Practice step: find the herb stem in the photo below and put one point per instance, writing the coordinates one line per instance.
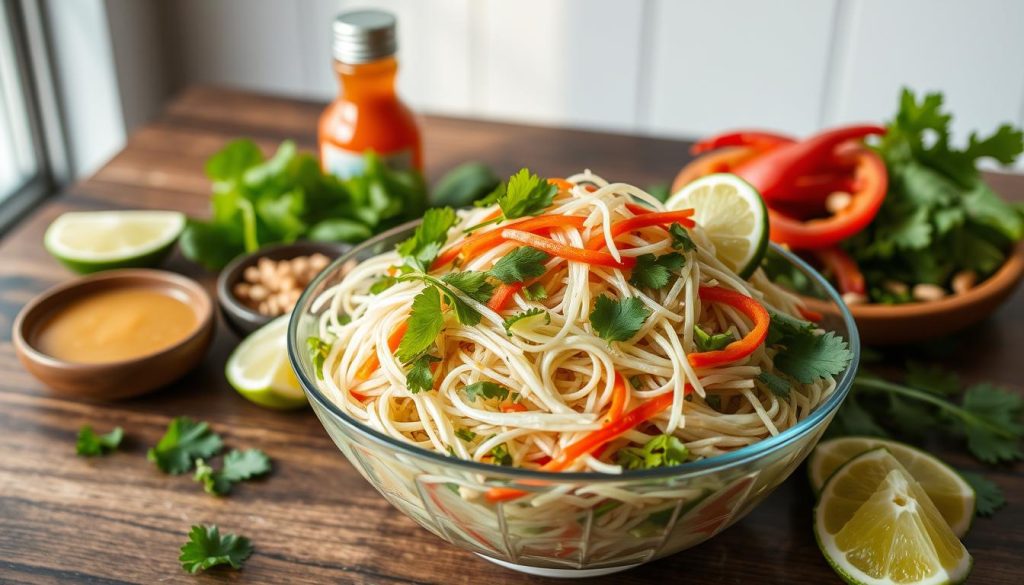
(877, 385)
(473, 228)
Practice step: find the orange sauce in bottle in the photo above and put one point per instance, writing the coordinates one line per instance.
(368, 114)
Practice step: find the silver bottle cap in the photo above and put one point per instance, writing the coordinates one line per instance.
(361, 36)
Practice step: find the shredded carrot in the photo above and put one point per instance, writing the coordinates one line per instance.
(740, 348)
(568, 252)
(503, 295)
(562, 184)
(446, 257)
(486, 240)
(373, 362)
(620, 396)
(638, 209)
(652, 218)
(513, 407)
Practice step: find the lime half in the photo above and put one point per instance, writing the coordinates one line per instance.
(260, 371)
(953, 496)
(90, 241)
(733, 216)
(875, 524)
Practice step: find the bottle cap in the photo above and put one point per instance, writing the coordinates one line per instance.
(361, 36)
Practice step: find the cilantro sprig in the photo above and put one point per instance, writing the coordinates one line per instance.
(655, 272)
(485, 389)
(661, 451)
(427, 317)
(420, 377)
(90, 444)
(519, 265)
(237, 466)
(523, 194)
(185, 441)
(618, 320)
(207, 548)
(422, 248)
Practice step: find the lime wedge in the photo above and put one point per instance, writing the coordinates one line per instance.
(875, 524)
(260, 371)
(953, 496)
(733, 216)
(90, 241)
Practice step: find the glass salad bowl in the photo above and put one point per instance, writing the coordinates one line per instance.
(569, 524)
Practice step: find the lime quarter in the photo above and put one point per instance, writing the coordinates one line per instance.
(259, 369)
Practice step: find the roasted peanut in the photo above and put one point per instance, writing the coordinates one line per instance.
(964, 281)
(927, 292)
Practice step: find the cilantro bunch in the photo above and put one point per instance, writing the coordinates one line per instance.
(286, 197)
(939, 217)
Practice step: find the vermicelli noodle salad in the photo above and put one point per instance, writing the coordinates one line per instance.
(569, 325)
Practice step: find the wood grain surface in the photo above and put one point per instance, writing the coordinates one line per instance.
(116, 519)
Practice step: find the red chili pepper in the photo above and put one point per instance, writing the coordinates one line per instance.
(843, 268)
(778, 168)
(871, 182)
(756, 139)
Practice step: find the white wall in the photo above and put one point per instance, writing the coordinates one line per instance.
(663, 67)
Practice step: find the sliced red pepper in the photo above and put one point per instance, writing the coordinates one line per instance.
(756, 139)
(777, 169)
(724, 160)
(843, 268)
(740, 348)
(871, 181)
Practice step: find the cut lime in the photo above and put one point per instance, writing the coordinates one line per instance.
(733, 216)
(875, 524)
(260, 371)
(953, 496)
(90, 241)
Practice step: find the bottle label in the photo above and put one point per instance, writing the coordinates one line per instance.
(345, 164)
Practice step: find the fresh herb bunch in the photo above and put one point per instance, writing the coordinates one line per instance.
(259, 201)
(939, 217)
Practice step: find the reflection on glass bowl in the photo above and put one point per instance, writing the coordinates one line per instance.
(569, 524)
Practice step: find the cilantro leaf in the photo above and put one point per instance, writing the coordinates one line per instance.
(420, 377)
(484, 390)
(207, 548)
(989, 498)
(524, 194)
(318, 351)
(535, 292)
(500, 455)
(992, 424)
(783, 327)
(655, 272)
(519, 264)
(422, 248)
(810, 357)
(681, 239)
(707, 342)
(238, 466)
(535, 312)
(933, 379)
(425, 323)
(382, 284)
(778, 385)
(89, 444)
(616, 320)
(661, 451)
(185, 441)
(473, 284)
(465, 434)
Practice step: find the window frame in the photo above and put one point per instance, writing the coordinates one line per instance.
(33, 66)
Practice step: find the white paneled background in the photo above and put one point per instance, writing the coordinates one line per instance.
(664, 67)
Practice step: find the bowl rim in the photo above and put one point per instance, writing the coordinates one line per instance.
(701, 466)
(20, 337)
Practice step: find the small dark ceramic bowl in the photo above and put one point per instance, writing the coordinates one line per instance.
(240, 318)
(124, 378)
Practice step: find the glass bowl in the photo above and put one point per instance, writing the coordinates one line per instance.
(569, 524)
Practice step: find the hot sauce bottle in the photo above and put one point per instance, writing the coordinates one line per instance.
(367, 115)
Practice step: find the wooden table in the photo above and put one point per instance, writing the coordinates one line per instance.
(117, 519)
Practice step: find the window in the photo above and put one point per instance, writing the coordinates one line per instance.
(26, 175)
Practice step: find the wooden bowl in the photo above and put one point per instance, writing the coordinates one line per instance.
(240, 318)
(120, 379)
(914, 322)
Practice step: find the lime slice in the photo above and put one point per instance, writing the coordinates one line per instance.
(90, 241)
(953, 496)
(260, 371)
(875, 524)
(732, 214)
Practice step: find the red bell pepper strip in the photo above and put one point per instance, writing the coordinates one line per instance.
(484, 240)
(740, 348)
(871, 181)
(724, 160)
(658, 218)
(843, 268)
(503, 295)
(756, 139)
(777, 169)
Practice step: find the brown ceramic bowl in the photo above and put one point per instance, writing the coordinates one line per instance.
(124, 378)
(240, 318)
(915, 322)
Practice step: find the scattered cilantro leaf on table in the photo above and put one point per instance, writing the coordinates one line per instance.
(90, 444)
(237, 466)
(618, 320)
(519, 265)
(207, 548)
(661, 451)
(934, 379)
(185, 441)
(988, 497)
